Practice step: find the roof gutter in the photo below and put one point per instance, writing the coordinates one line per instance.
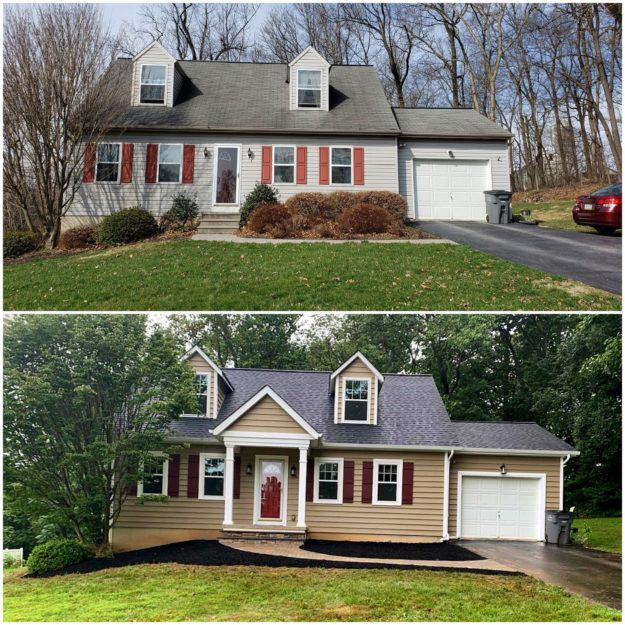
(253, 131)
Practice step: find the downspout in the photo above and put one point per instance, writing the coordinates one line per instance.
(448, 457)
(563, 462)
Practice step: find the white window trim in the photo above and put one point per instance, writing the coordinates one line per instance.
(208, 407)
(200, 492)
(400, 468)
(119, 163)
(165, 476)
(351, 166)
(158, 164)
(283, 497)
(273, 165)
(310, 108)
(339, 494)
(368, 400)
(216, 160)
(164, 102)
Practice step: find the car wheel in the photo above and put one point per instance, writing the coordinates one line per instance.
(604, 229)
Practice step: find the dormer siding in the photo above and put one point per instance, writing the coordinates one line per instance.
(156, 55)
(199, 365)
(310, 60)
(357, 370)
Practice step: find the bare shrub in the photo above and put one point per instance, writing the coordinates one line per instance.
(273, 219)
(316, 206)
(366, 219)
(78, 237)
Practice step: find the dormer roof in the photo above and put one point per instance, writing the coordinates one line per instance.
(151, 46)
(347, 363)
(310, 50)
(200, 352)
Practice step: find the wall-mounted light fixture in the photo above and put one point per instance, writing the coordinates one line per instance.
(248, 469)
(293, 471)
(451, 154)
(502, 469)
(207, 153)
(250, 154)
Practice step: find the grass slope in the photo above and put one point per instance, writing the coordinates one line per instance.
(602, 534)
(172, 592)
(552, 214)
(202, 275)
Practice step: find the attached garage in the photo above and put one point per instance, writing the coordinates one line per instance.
(492, 506)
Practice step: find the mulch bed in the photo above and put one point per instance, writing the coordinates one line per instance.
(213, 553)
(409, 232)
(392, 551)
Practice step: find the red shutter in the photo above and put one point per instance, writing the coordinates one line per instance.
(151, 160)
(406, 484)
(310, 480)
(192, 478)
(265, 170)
(348, 481)
(359, 166)
(188, 163)
(88, 174)
(367, 481)
(324, 165)
(236, 488)
(128, 150)
(302, 158)
(173, 476)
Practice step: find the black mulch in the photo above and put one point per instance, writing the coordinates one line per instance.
(213, 553)
(392, 551)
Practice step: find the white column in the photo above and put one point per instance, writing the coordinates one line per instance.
(301, 499)
(229, 484)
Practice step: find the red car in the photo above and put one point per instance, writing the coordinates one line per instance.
(601, 210)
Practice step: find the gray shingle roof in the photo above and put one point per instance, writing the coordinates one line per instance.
(410, 412)
(240, 97)
(442, 123)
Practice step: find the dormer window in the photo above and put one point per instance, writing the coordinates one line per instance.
(356, 400)
(153, 79)
(309, 88)
(201, 390)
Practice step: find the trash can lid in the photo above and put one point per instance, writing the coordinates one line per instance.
(498, 191)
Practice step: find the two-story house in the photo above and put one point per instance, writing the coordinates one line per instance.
(352, 454)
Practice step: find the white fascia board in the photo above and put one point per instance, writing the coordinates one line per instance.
(515, 452)
(306, 51)
(266, 391)
(153, 44)
(356, 356)
(200, 352)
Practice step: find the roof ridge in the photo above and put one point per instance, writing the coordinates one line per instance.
(487, 421)
(322, 371)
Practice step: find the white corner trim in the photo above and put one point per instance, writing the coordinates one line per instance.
(339, 493)
(400, 473)
(447, 460)
(348, 362)
(563, 462)
(266, 391)
(197, 350)
(215, 396)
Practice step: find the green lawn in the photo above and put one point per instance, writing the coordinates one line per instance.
(554, 214)
(602, 534)
(173, 592)
(203, 275)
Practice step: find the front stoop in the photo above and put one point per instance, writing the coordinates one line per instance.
(218, 223)
(262, 535)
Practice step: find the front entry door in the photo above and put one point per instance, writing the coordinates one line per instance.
(226, 177)
(271, 486)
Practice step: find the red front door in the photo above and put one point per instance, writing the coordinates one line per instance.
(271, 489)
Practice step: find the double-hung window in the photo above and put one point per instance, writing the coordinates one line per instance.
(169, 162)
(107, 165)
(341, 165)
(283, 165)
(154, 476)
(356, 400)
(309, 88)
(212, 476)
(387, 476)
(201, 389)
(328, 480)
(153, 84)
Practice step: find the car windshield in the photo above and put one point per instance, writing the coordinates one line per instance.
(613, 189)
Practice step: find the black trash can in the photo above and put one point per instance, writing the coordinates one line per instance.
(558, 527)
(498, 206)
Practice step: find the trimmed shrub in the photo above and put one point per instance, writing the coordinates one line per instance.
(340, 200)
(78, 237)
(315, 206)
(55, 554)
(260, 194)
(366, 219)
(393, 202)
(183, 213)
(274, 219)
(19, 242)
(127, 225)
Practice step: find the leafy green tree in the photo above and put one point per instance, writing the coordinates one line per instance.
(87, 397)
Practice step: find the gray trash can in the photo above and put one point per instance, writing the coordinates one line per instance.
(498, 206)
(558, 526)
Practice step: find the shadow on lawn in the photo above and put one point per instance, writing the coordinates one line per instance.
(213, 553)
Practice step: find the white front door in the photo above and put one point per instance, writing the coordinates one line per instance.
(451, 189)
(226, 178)
(501, 507)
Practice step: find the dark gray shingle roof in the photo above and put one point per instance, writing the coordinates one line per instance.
(410, 412)
(441, 123)
(255, 97)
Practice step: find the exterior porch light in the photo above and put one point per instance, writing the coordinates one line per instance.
(503, 469)
(293, 471)
(250, 154)
(207, 153)
(451, 154)
(248, 469)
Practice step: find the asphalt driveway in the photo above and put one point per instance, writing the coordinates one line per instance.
(593, 574)
(585, 256)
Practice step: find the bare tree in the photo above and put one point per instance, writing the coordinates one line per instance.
(57, 95)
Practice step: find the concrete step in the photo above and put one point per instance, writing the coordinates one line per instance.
(220, 216)
(213, 229)
(262, 536)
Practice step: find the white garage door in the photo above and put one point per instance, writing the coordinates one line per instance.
(501, 507)
(451, 189)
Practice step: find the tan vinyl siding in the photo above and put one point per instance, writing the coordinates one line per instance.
(153, 56)
(495, 152)
(266, 416)
(356, 370)
(95, 200)
(221, 394)
(514, 464)
(199, 365)
(422, 519)
(310, 61)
